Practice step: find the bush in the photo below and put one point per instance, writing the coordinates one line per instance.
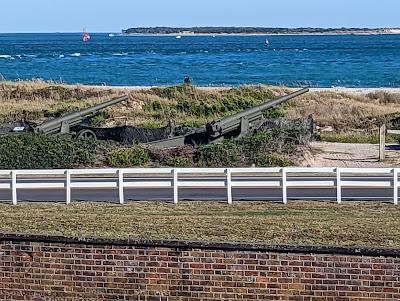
(266, 148)
(176, 157)
(268, 160)
(99, 118)
(178, 162)
(274, 112)
(40, 151)
(219, 154)
(128, 157)
(202, 104)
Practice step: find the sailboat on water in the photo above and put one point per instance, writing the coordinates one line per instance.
(85, 36)
(266, 41)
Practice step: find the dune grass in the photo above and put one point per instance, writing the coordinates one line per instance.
(347, 113)
(298, 223)
(189, 105)
(360, 137)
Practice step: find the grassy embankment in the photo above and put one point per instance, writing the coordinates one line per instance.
(305, 223)
(352, 118)
(146, 108)
(349, 115)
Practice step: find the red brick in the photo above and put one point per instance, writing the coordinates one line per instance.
(105, 272)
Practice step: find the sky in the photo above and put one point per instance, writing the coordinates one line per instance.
(115, 15)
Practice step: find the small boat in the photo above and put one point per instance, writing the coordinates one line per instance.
(85, 36)
(178, 37)
(110, 35)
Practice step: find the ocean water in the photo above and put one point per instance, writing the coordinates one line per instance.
(318, 61)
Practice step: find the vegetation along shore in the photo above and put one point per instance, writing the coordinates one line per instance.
(339, 116)
(254, 30)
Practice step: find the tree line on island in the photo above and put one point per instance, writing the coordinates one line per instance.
(249, 30)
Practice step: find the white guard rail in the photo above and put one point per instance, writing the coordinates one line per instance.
(207, 178)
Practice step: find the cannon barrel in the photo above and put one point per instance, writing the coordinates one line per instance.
(233, 122)
(54, 126)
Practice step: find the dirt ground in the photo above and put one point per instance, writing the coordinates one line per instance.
(327, 154)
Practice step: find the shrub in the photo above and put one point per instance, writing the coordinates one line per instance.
(204, 104)
(266, 148)
(274, 112)
(176, 157)
(99, 118)
(219, 154)
(270, 160)
(40, 151)
(238, 152)
(128, 157)
(178, 162)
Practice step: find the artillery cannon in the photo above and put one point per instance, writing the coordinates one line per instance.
(237, 125)
(66, 124)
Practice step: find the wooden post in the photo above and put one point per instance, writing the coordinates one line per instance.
(382, 142)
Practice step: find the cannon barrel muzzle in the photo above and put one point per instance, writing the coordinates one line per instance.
(232, 122)
(72, 119)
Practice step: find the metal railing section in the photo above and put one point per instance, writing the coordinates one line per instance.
(189, 178)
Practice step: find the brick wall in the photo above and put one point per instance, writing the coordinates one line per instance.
(56, 268)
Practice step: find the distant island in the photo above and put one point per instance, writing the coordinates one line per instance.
(253, 30)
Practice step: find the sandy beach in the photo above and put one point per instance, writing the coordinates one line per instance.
(353, 91)
(356, 91)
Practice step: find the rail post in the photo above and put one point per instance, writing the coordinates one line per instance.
(14, 187)
(284, 186)
(228, 174)
(382, 142)
(121, 186)
(176, 196)
(395, 186)
(68, 186)
(338, 186)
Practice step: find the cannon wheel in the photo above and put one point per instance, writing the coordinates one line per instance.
(86, 134)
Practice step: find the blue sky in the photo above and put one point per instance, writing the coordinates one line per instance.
(112, 16)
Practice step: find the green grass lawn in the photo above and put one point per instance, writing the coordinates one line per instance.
(305, 223)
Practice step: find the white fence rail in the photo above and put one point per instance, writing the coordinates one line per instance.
(200, 178)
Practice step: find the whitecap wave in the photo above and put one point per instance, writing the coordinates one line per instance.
(120, 54)
(5, 56)
(76, 54)
(61, 56)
